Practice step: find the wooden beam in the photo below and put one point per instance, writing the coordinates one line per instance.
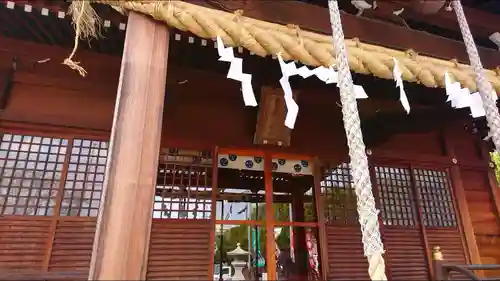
(124, 224)
(481, 23)
(367, 30)
(320, 212)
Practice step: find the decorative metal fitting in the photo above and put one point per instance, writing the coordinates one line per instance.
(437, 255)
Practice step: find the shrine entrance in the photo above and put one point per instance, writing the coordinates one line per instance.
(266, 217)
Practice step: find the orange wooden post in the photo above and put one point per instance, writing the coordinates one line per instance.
(124, 224)
(270, 242)
(320, 211)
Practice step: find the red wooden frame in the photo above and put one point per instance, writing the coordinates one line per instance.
(269, 222)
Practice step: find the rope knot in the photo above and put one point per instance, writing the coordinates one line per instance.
(297, 33)
(237, 15)
(357, 42)
(411, 54)
(455, 62)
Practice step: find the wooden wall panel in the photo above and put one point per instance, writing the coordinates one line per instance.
(478, 196)
(489, 249)
(72, 246)
(424, 143)
(179, 250)
(23, 241)
(345, 253)
(406, 253)
(59, 106)
(450, 241)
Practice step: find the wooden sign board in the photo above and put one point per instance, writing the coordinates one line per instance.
(270, 128)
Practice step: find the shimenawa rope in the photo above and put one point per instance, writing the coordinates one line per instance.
(368, 214)
(264, 38)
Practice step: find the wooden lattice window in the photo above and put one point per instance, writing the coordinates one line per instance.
(340, 198)
(435, 198)
(395, 195)
(184, 185)
(84, 181)
(30, 169)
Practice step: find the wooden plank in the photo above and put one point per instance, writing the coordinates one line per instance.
(124, 224)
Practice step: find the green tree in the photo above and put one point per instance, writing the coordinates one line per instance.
(495, 158)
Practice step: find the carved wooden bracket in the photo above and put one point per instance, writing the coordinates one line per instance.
(270, 128)
(6, 76)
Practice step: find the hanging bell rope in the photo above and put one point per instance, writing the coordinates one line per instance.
(368, 214)
(483, 85)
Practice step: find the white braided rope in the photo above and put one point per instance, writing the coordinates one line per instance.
(368, 214)
(484, 87)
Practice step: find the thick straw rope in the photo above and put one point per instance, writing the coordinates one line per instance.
(485, 89)
(264, 38)
(368, 214)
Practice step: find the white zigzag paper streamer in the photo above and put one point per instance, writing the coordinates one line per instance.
(397, 74)
(327, 75)
(288, 70)
(462, 98)
(236, 72)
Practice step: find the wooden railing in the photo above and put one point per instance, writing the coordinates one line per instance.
(444, 270)
(40, 276)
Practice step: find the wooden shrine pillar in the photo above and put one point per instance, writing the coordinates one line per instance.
(462, 206)
(124, 223)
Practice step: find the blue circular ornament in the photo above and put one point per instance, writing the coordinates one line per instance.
(297, 168)
(223, 162)
(274, 166)
(249, 164)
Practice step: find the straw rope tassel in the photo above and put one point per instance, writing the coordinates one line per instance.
(368, 214)
(484, 87)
